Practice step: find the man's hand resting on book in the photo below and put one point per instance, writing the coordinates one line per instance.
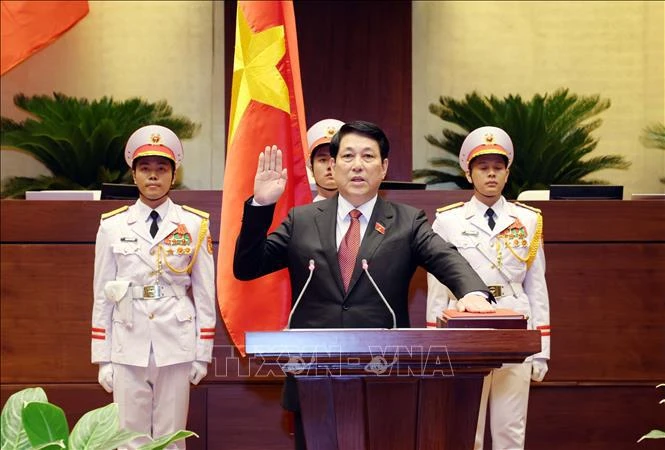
(474, 303)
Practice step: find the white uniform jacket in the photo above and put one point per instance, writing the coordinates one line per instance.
(130, 314)
(510, 256)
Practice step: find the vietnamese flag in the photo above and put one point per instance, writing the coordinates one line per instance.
(266, 108)
(29, 26)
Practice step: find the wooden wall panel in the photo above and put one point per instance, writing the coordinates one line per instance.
(606, 299)
(606, 281)
(45, 313)
(64, 221)
(565, 221)
(601, 417)
(247, 417)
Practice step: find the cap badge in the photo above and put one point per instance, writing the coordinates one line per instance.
(155, 138)
(330, 131)
(489, 138)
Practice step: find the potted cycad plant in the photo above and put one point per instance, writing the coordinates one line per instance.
(80, 142)
(653, 136)
(29, 421)
(551, 133)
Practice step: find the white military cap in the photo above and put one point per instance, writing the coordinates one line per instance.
(321, 133)
(485, 141)
(153, 140)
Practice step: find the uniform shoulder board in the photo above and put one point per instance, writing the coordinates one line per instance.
(536, 210)
(198, 212)
(114, 212)
(449, 207)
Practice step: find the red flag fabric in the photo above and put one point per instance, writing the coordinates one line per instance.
(266, 108)
(29, 26)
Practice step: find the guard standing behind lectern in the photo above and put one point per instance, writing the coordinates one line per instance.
(330, 239)
(153, 318)
(503, 242)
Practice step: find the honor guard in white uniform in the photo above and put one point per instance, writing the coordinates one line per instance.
(503, 242)
(318, 163)
(153, 318)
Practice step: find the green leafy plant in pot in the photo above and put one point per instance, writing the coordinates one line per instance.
(551, 134)
(80, 142)
(29, 421)
(653, 136)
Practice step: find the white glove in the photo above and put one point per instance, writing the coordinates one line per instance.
(199, 370)
(538, 369)
(105, 376)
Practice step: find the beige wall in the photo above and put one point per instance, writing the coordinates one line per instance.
(611, 48)
(172, 50)
(151, 49)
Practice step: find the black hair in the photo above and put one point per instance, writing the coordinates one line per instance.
(361, 127)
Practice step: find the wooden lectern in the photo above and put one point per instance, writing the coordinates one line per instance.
(398, 389)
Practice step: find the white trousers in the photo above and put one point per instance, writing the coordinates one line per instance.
(152, 400)
(507, 390)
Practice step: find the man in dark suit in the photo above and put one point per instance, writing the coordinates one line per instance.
(338, 234)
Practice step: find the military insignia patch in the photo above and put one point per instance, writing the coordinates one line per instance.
(515, 235)
(179, 237)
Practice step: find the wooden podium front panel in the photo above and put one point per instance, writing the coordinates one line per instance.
(350, 412)
(377, 413)
(317, 407)
(392, 412)
(412, 389)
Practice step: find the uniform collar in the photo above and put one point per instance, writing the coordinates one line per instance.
(477, 208)
(144, 210)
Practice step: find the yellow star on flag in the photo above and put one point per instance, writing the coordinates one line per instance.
(255, 74)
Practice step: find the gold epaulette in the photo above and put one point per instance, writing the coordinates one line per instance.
(114, 212)
(536, 241)
(198, 212)
(448, 207)
(536, 210)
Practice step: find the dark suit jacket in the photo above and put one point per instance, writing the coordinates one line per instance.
(405, 241)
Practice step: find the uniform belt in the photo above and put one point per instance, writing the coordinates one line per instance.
(157, 291)
(503, 290)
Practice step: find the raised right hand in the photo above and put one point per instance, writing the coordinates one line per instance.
(270, 179)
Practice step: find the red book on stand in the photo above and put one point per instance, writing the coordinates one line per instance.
(499, 318)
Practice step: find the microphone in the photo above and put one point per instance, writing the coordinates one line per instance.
(392, 313)
(309, 278)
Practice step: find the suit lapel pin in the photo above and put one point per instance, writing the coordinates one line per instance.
(380, 228)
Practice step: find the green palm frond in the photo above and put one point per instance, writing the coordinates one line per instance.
(81, 142)
(551, 134)
(653, 136)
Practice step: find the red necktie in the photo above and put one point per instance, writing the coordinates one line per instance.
(348, 249)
